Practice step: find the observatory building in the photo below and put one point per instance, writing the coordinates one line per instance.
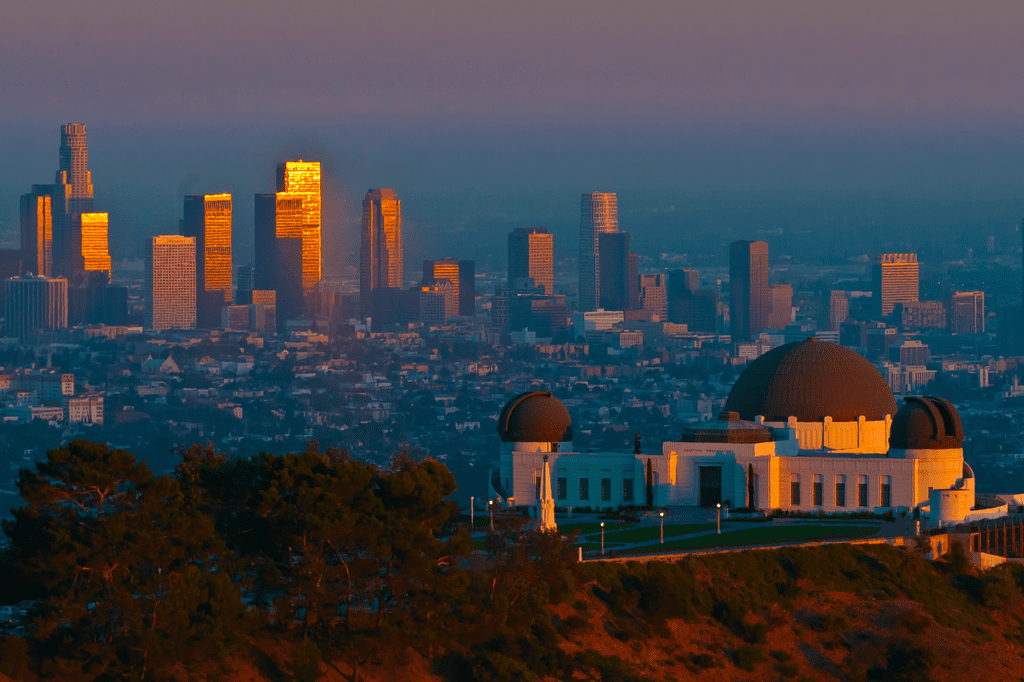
(809, 426)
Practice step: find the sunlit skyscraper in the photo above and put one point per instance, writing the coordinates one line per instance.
(531, 255)
(37, 232)
(599, 214)
(74, 168)
(894, 279)
(207, 217)
(278, 236)
(302, 178)
(171, 282)
(749, 294)
(90, 247)
(380, 248)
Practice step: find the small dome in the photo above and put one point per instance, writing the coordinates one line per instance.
(811, 380)
(728, 429)
(926, 423)
(535, 417)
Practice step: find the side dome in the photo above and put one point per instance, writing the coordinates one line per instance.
(926, 423)
(811, 380)
(535, 417)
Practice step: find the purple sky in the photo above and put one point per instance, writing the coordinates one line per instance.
(510, 98)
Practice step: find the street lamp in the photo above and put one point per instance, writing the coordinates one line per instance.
(719, 510)
(602, 537)
(662, 527)
(472, 503)
(490, 506)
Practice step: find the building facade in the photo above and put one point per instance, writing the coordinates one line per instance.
(967, 312)
(654, 296)
(617, 290)
(894, 279)
(749, 294)
(34, 302)
(207, 218)
(531, 256)
(599, 214)
(171, 283)
(380, 247)
(302, 179)
(278, 241)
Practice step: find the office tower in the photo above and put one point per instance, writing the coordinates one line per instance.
(614, 286)
(542, 314)
(967, 312)
(278, 242)
(599, 214)
(171, 282)
(894, 279)
(245, 282)
(467, 288)
(915, 315)
(531, 255)
(302, 178)
(207, 218)
(90, 246)
(434, 306)
(681, 285)
(633, 283)
(437, 272)
(37, 232)
(833, 310)
(654, 296)
(781, 313)
(380, 246)
(74, 168)
(34, 302)
(690, 279)
(749, 295)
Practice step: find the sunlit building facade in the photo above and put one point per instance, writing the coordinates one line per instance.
(90, 244)
(302, 178)
(749, 295)
(531, 255)
(74, 168)
(279, 227)
(599, 213)
(380, 247)
(894, 279)
(37, 233)
(207, 218)
(436, 272)
(171, 283)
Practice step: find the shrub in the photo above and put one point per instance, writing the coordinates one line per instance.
(306, 661)
(703, 661)
(747, 657)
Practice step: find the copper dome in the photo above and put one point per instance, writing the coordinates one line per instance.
(811, 380)
(926, 423)
(535, 417)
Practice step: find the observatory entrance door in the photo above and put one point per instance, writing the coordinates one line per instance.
(710, 485)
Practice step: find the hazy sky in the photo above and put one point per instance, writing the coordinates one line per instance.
(485, 115)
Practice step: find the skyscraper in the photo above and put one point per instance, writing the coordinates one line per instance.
(34, 302)
(207, 218)
(967, 312)
(531, 255)
(37, 232)
(380, 249)
(614, 284)
(462, 276)
(654, 296)
(171, 282)
(467, 288)
(749, 295)
(278, 241)
(894, 279)
(302, 178)
(833, 310)
(781, 313)
(74, 168)
(599, 213)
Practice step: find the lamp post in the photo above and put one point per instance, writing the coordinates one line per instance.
(602, 537)
(719, 521)
(472, 525)
(662, 527)
(490, 506)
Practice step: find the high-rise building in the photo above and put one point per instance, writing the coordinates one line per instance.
(278, 242)
(91, 245)
(436, 272)
(74, 168)
(531, 255)
(380, 247)
(37, 232)
(171, 282)
(34, 302)
(894, 279)
(207, 218)
(914, 315)
(781, 313)
(654, 296)
(467, 288)
(615, 286)
(967, 312)
(749, 295)
(833, 310)
(599, 214)
(302, 178)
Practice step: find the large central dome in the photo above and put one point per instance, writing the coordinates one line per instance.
(810, 380)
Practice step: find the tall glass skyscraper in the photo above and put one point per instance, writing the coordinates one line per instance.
(74, 168)
(279, 227)
(207, 217)
(171, 282)
(599, 213)
(749, 294)
(302, 178)
(531, 255)
(380, 247)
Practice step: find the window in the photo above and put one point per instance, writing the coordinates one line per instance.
(584, 488)
(862, 491)
(840, 490)
(606, 490)
(562, 488)
(819, 492)
(885, 491)
(627, 490)
(794, 490)
(536, 480)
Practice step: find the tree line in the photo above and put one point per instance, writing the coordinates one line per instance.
(134, 574)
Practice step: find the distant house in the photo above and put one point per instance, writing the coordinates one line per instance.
(160, 366)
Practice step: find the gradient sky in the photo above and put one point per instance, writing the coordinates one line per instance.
(485, 115)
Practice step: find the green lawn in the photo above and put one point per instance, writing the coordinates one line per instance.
(587, 527)
(762, 536)
(648, 533)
